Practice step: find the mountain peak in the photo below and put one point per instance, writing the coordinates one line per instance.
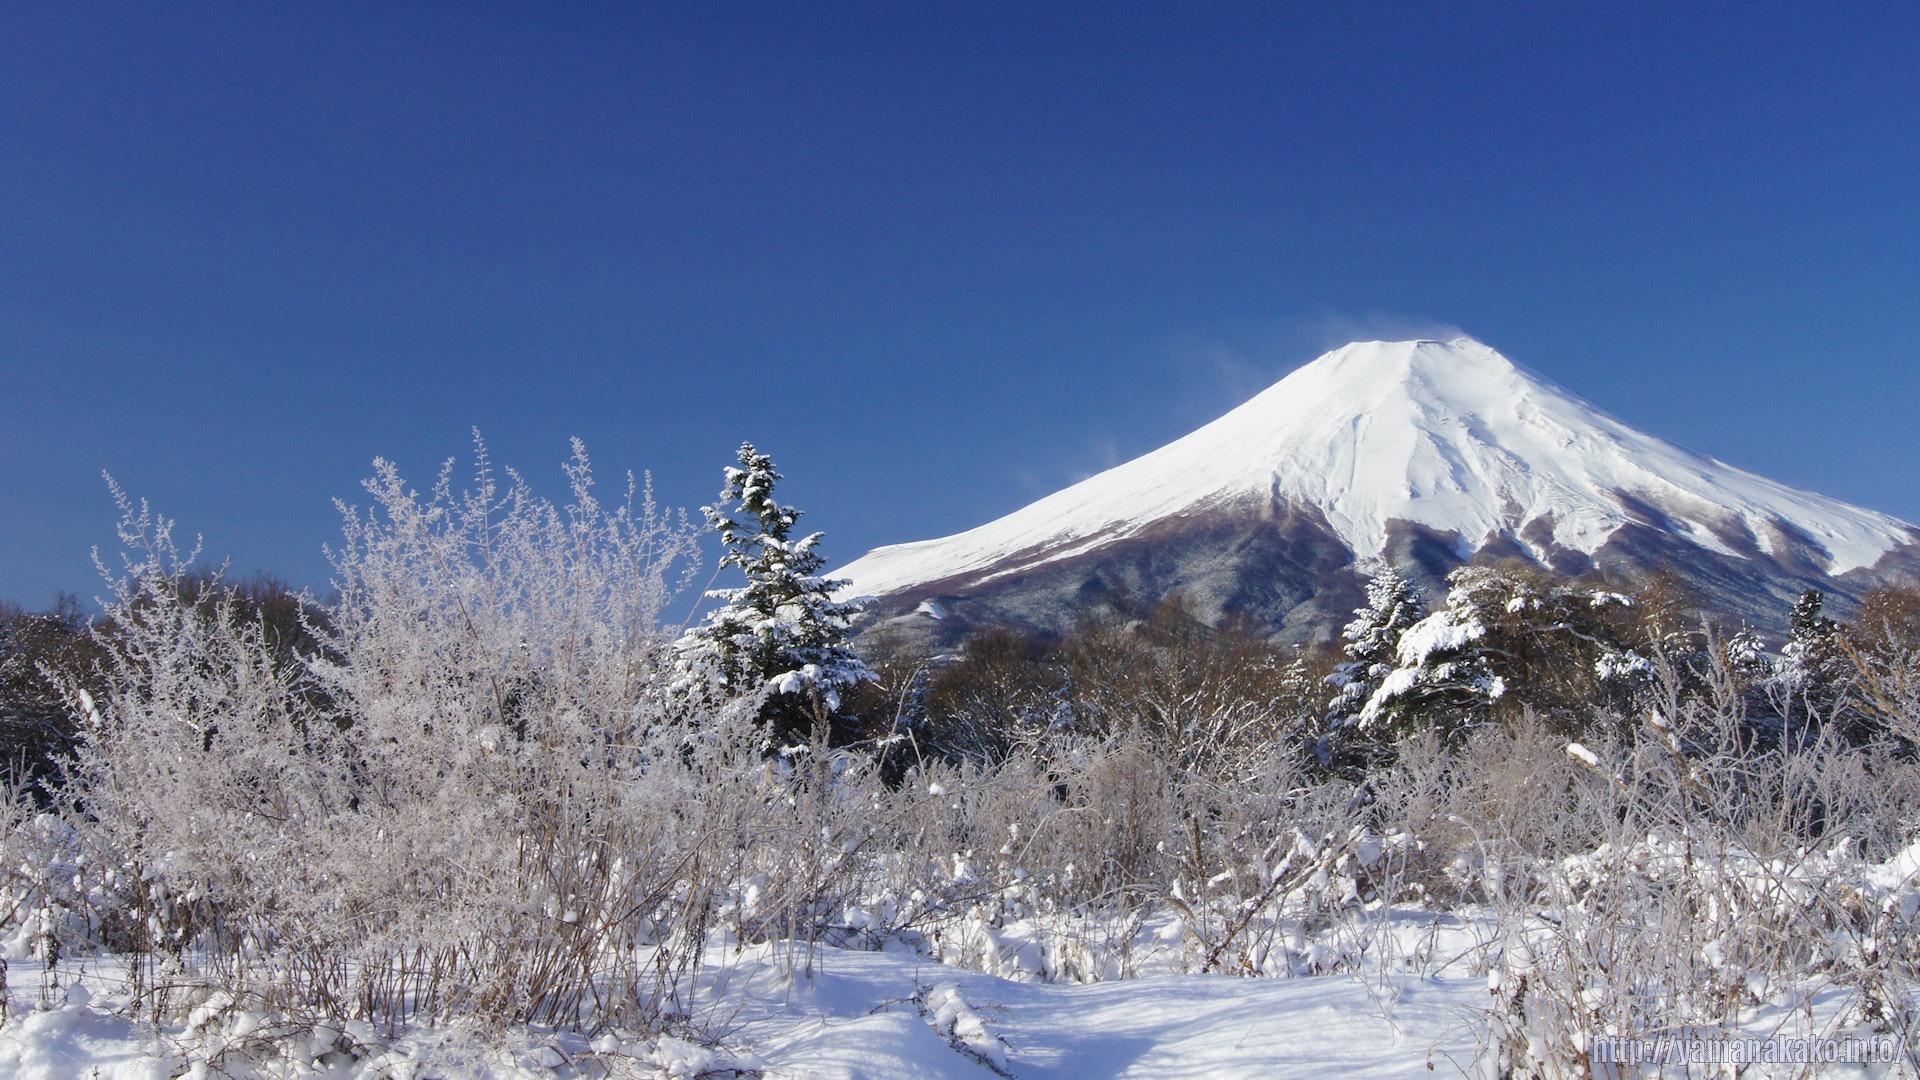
(1449, 437)
(1459, 365)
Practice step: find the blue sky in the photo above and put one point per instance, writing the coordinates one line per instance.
(937, 259)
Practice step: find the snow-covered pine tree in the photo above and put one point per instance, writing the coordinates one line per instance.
(1812, 651)
(1372, 638)
(782, 630)
(1372, 643)
(1438, 675)
(1509, 638)
(1808, 687)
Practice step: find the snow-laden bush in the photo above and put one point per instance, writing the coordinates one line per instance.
(42, 914)
(1715, 888)
(472, 801)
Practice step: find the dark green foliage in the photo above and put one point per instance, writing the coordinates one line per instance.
(1812, 686)
(1509, 640)
(1372, 642)
(38, 652)
(47, 657)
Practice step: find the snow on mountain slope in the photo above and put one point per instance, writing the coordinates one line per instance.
(1447, 434)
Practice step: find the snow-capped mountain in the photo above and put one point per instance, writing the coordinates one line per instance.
(1421, 453)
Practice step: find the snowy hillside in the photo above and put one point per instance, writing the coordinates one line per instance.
(1448, 435)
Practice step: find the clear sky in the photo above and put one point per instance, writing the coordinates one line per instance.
(937, 259)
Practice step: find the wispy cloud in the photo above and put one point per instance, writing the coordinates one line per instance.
(1096, 454)
(1236, 361)
(1330, 331)
(1208, 372)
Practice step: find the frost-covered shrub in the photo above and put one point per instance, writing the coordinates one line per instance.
(1719, 880)
(1500, 800)
(471, 800)
(1095, 860)
(46, 911)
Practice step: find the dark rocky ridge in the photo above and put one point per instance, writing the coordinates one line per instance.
(1278, 565)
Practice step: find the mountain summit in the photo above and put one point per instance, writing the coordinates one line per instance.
(1424, 454)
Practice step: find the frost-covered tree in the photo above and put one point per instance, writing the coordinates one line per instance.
(1372, 640)
(1508, 637)
(782, 632)
(1808, 687)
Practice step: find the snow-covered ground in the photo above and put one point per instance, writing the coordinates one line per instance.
(837, 1014)
(862, 1016)
(849, 1024)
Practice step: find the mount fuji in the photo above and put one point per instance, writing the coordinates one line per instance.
(1421, 454)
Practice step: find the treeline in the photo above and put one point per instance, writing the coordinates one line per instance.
(46, 657)
(1505, 642)
(1204, 693)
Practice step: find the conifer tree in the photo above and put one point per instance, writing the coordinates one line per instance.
(1808, 684)
(1373, 637)
(1509, 638)
(782, 630)
(1372, 644)
(1809, 629)
(1438, 674)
